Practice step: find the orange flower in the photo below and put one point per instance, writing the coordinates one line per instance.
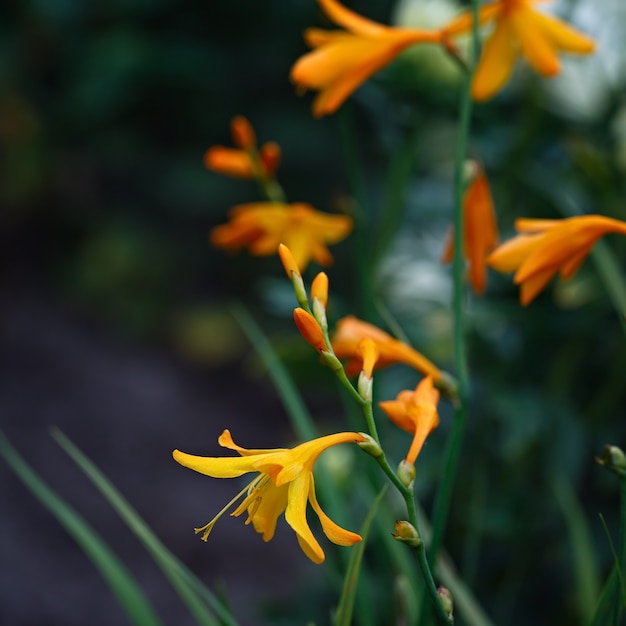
(243, 161)
(544, 247)
(348, 335)
(342, 60)
(262, 226)
(480, 231)
(415, 412)
(519, 29)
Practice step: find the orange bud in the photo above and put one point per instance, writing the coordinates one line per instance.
(289, 263)
(309, 329)
(319, 288)
(369, 353)
(270, 157)
(242, 132)
(228, 161)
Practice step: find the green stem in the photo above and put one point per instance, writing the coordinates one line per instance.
(442, 503)
(621, 553)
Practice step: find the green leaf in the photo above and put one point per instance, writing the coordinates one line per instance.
(348, 593)
(586, 574)
(114, 572)
(190, 589)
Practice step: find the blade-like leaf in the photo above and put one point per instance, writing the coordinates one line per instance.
(348, 594)
(586, 574)
(190, 589)
(119, 579)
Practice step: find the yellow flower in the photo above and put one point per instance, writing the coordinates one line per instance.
(346, 345)
(519, 30)
(243, 161)
(342, 60)
(545, 247)
(480, 231)
(284, 484)
(262, 226)
(415, 412)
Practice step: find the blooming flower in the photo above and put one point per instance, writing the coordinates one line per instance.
(262, 226)
(342, 60)
(545, 247)
(243, 161)
(480, 231)
(348, 335)
(284, 484)
(519, 29)
(415, 412)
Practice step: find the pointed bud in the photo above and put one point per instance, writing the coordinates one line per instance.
(365, 386)
(319, 288)
(293, 273)
(445, 597)
(370, 446)
(369, 353)
(406, 473)
(613, 459)
(242, 132)
(407, 533)
(270, 158)
(309, 329)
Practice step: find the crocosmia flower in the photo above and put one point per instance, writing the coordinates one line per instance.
(243, 161)
(263, 226)
(346, 344)
(519, 30)
(416, 412)
(544, 248)
(342, 60)
(480, 231)
(284, 484)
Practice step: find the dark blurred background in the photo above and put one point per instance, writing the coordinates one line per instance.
(115, 310)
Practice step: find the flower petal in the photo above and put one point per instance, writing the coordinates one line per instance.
(511, 254)
(496, 63)
(531, 287)
(463, 23)
(562, 36)
(534, 44)
(351, 20)
(335, 533)
(273, 503)
(217, 467)
(295, 514)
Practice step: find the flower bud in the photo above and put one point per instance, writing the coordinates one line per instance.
(319, 288)
(242, 132)
(406, 473)
(445, 597)
(370, 446)
(309, 329)
(293, 273)
(364, 386)
(614, 459)
(407, 533)
(270, 158)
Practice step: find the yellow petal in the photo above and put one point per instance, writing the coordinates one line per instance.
(531, 287)
(564, 37)
(335, 533)
(295, 514)
(351, 20)
(273, 503)
(496, 63)
(217, 467)
(534, 44)
(226, 441)
(525, 225)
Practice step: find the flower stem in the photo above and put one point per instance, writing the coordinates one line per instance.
(444, 496)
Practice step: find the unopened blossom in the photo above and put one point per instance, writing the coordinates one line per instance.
(519, 30)
(262, 226)
(342, 60)
(544, 248)
(480, 231)
(348, 335)
(284, 484)
(244, 161)
(416, 412)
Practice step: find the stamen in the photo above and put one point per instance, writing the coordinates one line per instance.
(248, 489)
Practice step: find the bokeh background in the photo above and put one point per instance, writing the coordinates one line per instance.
(116, 323)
